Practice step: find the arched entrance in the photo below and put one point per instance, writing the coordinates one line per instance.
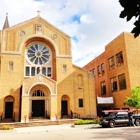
(64, 105)
(39, 102)
(9, 106)
(38, 106)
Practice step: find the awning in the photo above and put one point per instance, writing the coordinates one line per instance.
(105, 100)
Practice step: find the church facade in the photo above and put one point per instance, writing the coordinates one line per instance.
(37, 77)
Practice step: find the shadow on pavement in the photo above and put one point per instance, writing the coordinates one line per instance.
(117, 133)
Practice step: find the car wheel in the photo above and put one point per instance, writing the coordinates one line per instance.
(112, 124)
(137, 122)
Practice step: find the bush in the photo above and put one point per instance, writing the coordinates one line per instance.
(6, 128)
(86, 121)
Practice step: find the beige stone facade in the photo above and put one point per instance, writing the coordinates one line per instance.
(37, 77)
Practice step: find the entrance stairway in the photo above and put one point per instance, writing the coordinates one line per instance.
(7, 121)
(38, 119)
(65, 117)
(39, 122)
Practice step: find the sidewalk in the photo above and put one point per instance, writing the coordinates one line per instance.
(48, 128)
(43, 128)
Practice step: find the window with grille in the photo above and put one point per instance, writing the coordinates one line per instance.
(122, 81)
(99, 70)
(113, 84)
(38, 93)
(103, 68)
(119, 59)
(93, 71)
(103, 88)
(111, 63)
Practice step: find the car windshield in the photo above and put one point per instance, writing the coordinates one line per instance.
(112, 114)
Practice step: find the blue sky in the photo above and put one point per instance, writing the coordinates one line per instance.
(92, 24)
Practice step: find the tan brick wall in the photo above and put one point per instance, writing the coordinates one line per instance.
(10, 81)
(129, 46)
(62, 83)
(133, 59)
(25, 109)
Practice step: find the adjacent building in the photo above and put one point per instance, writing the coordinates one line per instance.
(37, 77)
(116, 72)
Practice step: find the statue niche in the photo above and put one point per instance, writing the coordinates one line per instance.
(38, 28)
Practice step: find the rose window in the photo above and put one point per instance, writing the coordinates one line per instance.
(38, 53)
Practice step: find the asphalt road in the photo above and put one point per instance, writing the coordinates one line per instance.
(66, 132)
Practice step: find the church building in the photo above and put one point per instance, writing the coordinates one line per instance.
(37, 77)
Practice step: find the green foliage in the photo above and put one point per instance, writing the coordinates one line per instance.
(131, 9)
(134, 99)
(5, 127)
(82, 122)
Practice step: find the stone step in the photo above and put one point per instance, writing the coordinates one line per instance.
(66, 117)
(7, 120)
(40, 123)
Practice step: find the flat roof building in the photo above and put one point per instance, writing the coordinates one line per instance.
(116, 71)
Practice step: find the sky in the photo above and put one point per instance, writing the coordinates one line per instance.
(91, 24)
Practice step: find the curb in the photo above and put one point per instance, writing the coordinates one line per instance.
(87, 126)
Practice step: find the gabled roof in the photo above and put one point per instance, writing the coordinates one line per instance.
(35, 18)
(6, 23)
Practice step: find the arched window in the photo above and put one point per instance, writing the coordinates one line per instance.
(38, 53)
(38, 93)
(38, 59)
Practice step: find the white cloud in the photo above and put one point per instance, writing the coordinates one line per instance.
(99, 21)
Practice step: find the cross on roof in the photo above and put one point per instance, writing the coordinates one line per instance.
(39, 12)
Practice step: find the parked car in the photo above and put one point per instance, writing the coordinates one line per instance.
(118, 118)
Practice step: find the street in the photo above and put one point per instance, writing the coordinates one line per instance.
(66, 132)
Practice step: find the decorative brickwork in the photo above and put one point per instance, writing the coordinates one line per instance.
(10, 41)
(35, 93)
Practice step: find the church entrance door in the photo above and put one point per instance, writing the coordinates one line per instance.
(64, 107)
(8, 110)
(38, 108)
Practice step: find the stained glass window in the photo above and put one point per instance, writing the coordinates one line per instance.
(38, 53)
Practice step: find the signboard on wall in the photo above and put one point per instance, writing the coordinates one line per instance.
(105, 100)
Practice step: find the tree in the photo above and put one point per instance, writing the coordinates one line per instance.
(134, 99)
(131, 9)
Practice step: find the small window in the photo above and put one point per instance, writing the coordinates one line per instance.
(103, 88)
(10, 65)
(99, 71)
(49, 72)
(103, 69)
(119, 59)
(80, 103)
(113, 84)
(44, 71)
(32, 71)
(122, 81)
(38, 70)
(27, 71)
(93, 71)
(111, 63)
(64, 68)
